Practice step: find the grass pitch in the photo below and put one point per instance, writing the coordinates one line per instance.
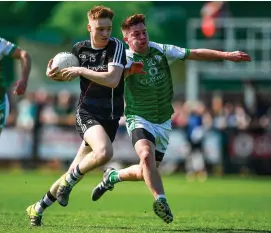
(231, 204)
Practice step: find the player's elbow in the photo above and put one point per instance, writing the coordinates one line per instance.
(110, 84)
(114, 84)
(114, 81)
(114, 75)
(24, 55)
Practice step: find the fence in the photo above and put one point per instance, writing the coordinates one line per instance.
(231, 148)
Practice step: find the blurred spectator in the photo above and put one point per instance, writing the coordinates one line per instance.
(180, 116)
(215, 9)
(195, 164)
(242, 119)
(217, 111)
(41, 99)
(197, 139)
(59, 112)
(230, 118)
(26, 112)
(210, 12)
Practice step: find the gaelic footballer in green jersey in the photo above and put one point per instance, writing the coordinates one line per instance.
(8, 49)
(148, 107)
(148, 97)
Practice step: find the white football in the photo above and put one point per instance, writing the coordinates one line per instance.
(64, 60)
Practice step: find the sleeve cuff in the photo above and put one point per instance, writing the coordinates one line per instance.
(187, 52)
(12, 50)
(116, 64)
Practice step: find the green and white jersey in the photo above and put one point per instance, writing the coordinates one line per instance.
(6, 49)
(149, 96)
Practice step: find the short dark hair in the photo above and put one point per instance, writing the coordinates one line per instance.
(132, 20)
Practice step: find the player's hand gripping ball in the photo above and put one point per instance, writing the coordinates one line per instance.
(60, 61)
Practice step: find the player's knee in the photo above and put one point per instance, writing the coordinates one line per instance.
(104, 153)
(146, 157)
(139, 173)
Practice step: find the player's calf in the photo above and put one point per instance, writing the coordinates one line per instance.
(66, 184)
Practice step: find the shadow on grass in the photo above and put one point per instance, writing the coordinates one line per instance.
(215, 230)
(147, 229)
(138, 228)
(70, 227)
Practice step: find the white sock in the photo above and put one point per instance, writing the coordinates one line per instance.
(160, 196)
(73, 177)
(44, 203)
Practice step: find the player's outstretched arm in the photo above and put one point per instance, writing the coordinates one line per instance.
(110, 78)
(215, 55)
(25, 59)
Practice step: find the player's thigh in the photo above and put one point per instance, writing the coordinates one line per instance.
(91, 131)
(143, 142)
(143, 129)
(97, 138)
(83, 150)
(97, 133)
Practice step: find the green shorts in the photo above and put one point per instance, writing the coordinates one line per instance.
(4, 110)
(159, 131)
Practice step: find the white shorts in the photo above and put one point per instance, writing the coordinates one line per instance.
(159, 131)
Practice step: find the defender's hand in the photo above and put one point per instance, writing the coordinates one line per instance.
(136, 68)
(20, 87)
(237, 56)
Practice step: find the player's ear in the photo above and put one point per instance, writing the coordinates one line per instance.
(125, 38)
(89, 28)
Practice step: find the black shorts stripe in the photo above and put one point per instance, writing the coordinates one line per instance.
(159, 156)
(141, 133)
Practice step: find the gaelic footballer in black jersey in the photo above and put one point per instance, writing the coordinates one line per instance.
(100, 104)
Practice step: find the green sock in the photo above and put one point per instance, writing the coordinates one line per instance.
(114, 177)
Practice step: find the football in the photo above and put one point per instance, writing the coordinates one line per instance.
(64, 60)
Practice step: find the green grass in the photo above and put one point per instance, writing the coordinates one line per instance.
(238, 205)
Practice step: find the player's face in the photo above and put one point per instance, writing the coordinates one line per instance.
(100, 30)
(137, 38)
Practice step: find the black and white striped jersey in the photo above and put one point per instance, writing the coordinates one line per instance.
(100, 101)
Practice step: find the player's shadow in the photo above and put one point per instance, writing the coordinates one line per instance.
(152, 229)
(215, 230)
(81, 227)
